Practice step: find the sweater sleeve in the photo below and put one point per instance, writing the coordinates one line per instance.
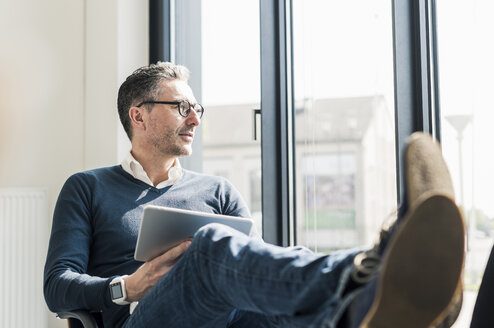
(67, 286)
(233, 204)
(231, 201)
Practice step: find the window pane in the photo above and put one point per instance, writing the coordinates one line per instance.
(344, 121)
(229, 59)
(466, 71)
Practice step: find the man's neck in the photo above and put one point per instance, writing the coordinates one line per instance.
(156, 167)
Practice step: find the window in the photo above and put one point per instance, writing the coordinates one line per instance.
(219, 41)
(344, 121)
(466, 71)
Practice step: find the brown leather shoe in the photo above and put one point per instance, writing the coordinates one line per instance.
(426, 175)
(421, 268)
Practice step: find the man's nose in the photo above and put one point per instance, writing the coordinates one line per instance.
(193, 118)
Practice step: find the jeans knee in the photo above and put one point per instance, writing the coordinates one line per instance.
(209, 230)
(213, 233)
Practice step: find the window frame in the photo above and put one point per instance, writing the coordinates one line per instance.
(416, 85)
(415, 82)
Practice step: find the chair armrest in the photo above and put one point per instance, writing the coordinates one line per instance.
(84, 316)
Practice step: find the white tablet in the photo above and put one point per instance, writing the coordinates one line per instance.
(164, 227)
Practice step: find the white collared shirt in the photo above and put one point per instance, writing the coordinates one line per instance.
(134, 168)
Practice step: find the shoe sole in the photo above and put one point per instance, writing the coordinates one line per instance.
(426, 171)
(422, 267)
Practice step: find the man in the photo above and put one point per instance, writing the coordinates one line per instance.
(223, 278)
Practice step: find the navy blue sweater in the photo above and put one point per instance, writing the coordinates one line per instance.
(95, 227)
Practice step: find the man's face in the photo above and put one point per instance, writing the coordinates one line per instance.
(170, 133)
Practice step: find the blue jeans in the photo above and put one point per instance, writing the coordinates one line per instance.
(226, 279)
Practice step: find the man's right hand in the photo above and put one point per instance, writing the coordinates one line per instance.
(148, 274)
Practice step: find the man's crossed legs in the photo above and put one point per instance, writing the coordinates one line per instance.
(226, 279)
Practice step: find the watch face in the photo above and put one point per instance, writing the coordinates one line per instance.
(116, 291)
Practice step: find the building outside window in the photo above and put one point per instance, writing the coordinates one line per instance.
(344, 121)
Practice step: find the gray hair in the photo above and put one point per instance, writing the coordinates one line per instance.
(145, 84)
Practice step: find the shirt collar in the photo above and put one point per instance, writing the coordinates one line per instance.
(134, 168)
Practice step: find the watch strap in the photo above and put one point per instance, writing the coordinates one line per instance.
(118, 292)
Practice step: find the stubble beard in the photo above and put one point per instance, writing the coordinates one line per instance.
(169, 145)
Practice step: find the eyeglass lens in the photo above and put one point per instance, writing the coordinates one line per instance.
(185, 107)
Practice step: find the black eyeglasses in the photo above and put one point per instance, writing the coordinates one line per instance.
(183, 106)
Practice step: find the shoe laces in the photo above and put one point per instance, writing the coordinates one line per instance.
(368, 262)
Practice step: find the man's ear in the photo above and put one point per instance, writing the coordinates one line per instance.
(136, 117)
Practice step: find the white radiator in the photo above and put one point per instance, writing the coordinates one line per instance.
(24, 227)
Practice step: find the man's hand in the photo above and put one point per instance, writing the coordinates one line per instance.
(148, 274)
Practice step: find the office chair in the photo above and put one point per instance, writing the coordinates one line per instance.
(82, 319)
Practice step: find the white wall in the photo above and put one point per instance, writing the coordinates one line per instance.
(61, 63)
(42, 92)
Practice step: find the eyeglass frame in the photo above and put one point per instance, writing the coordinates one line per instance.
(177, 103)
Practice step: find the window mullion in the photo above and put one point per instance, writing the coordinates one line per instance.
(277, 164)
(413, 97)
